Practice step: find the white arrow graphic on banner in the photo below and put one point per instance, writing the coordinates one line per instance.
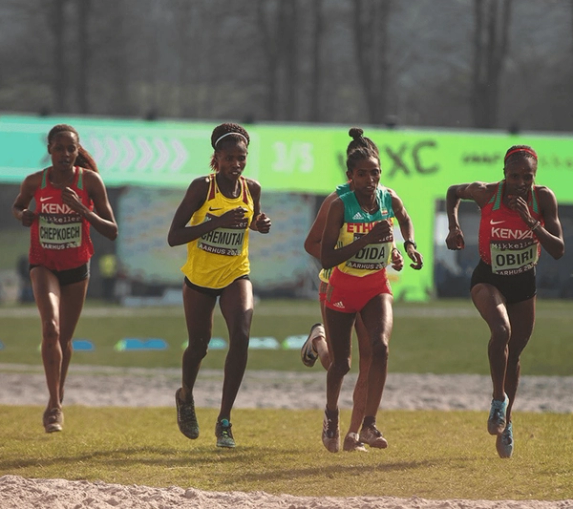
(147, 154)
(180, 156)
(130, 153)
(97, 149)
(163, 156)
(113, 155)
(125, 155)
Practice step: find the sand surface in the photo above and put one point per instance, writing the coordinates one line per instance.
(98, 386)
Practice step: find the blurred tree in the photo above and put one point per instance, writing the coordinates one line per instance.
(58, 23)
(270, 46)
(446, 63)
(290, 49)
(114, 50)
(83, 35)
(491, 46)
(370, 30)
(187, 20)
(278, 23)
(316, 55)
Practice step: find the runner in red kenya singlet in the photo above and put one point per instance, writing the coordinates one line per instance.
(69, 197)
(517, 219)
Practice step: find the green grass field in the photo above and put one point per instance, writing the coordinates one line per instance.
(432, 454)
(437, 337)
(437, 455)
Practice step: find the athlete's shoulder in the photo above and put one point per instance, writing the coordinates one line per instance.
(331, 197)
(252, 184)
(254, 189)
(543, 190)
(544, 194)
(200, 182)
(478, 191)
(393, 195)
(343, 189)
(90, 175)
(36, 176)
(33, 180)
(198, 190)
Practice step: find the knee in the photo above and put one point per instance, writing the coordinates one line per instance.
(50, 331)
(380, 351)
(239, 345)
(196, 350)
(500, 334)
(514, 352)
(513, 359)
(340, 368)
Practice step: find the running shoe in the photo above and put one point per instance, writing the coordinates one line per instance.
(331, 433)
(371, 435)
(504, 442)
(186, 418)
(496, 422)
(224, 434)
(308, 353)
(352, 443)
(53, 420)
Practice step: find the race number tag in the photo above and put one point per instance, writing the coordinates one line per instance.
(223, 241)
(371, 257)
(508, 258)
(60, 232)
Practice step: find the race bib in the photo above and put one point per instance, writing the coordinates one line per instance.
(223, 241)
(511, 258)
(61, 232)
(371, 257)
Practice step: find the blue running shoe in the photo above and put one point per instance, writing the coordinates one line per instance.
(496, 422)
(504, 442)
(224, 434)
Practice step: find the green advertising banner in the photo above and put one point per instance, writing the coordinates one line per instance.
(418, 164)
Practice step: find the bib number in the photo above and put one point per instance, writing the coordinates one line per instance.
(54, 235)
(509, 260)
(223, 241)
(371, 257)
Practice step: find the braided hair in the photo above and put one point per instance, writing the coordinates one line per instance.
(360, 148)
(84, 158)
(225, 134)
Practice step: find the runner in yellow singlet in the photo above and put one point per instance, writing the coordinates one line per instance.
(214, 219)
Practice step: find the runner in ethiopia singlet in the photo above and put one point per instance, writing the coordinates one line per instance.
(220, 256)
(60, 237)
(505, 240)
(357, 223)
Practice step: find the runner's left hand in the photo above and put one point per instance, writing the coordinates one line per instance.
(263, 223)
(415, 257)
(72, 200)
(397, 259)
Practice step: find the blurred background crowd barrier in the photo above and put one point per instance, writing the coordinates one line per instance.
(148, 166)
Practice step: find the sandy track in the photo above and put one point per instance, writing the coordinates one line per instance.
(102, 386)
(97, 386)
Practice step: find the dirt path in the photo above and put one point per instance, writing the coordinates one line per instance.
(97, 386)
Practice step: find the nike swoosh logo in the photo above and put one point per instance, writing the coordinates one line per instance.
(44, 198)
(497, 222)
(211, 209)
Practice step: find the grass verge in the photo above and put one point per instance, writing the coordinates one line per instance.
(432, 454)
(442, 337)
